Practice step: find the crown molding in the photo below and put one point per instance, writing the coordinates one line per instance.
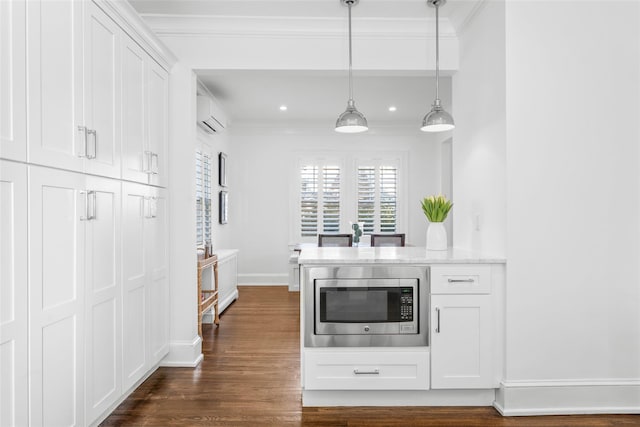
(130, 21)
(296, 27)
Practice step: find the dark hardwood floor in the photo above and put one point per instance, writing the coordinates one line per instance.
(250, 376)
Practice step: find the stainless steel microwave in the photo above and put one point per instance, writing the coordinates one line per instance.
(355, 306)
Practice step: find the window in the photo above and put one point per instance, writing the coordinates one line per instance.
(319, 199)
(203, 198)
(378, 198)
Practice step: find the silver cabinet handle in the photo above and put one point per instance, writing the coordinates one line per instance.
(438, 320)
(83, 130)
(89, 205)
(470, 280)
(151, 207)
(94, 146)
(154, 164)
(373, 372)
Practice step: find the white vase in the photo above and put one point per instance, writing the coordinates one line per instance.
(436, 237)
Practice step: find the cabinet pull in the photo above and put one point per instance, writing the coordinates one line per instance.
(151, 208)
(438, 320)
(373, 372)
(469, 280)
(83, 129)
(89, 205)
(94, 146)
(154, 163)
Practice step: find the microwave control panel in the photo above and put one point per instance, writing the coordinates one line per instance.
(406, 304)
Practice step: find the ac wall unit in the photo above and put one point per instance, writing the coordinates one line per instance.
(210, 116)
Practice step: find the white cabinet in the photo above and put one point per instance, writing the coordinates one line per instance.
(145, 279)
(13, 294)
(358, 369)
(462, 327)
(75, 296)
(227, 278)
(74, 78)
(144, 117)
(103, 297)
(56, 296)
(13, 90)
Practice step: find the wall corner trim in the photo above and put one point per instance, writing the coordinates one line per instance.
(568, 397)
(184, 354)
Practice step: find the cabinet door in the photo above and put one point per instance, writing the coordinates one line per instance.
(56, 297)
(158, 285)
(158, 130)
(13, 294)
(54, 46)
(135, 271)
(461, 342)
(13, 90)
(102, 93)
(103, 298)
(133, 112)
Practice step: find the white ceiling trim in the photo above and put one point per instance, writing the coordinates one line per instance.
(298, 27)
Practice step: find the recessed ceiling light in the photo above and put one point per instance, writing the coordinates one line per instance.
(283, 108)
(392, 108)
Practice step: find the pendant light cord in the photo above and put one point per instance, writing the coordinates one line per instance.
(350, 60)
(436, 3)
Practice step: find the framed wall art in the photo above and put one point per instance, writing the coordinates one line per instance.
(223, 207)
(222, 169)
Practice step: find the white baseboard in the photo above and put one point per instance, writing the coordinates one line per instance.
(184, 354)
(398, 397)
(518, 398)
(281, 279)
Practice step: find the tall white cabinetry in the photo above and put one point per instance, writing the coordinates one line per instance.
(84, 280)
(145, 279)
(13, 294)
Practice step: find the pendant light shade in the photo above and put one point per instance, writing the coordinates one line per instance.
(437, 120)
(352, 120)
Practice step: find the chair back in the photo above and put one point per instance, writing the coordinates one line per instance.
(335, 240)
(387, 239)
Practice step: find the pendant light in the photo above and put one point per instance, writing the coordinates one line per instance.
(437, 120)
(352, 120)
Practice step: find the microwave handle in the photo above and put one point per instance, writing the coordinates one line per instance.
(438, 320)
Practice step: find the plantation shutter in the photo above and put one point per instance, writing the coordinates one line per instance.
(319, 199)
(377, 191)
(203, 198)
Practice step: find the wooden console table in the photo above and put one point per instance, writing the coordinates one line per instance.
(208, 297)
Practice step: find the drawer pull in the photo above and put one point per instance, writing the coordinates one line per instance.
(359, 372)
(470, 280)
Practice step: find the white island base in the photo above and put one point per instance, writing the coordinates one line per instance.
(398, 397)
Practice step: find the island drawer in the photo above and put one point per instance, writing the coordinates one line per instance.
(461, 279)
(366, 370)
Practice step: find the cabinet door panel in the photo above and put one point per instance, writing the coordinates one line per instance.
(135, 271)
(13, 294)
(158, 81)
(461, 341)
(102, 92)
(159, 280)
(133, 112)
(56, 296)
(13, 90)
(54, 46)
(103, 298)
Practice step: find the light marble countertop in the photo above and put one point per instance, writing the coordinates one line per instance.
(392, 255)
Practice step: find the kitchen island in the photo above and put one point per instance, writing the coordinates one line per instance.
(400, 326)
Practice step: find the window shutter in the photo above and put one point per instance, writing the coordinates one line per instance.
(378, 198)
(331, 199)
(207, 197)
(199, 200)
(309, 200)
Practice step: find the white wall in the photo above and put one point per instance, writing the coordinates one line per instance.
(573, 298)
(479, 140)
(263, 170)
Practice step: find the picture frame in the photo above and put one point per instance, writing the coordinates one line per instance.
(223, 207)
(222, 169)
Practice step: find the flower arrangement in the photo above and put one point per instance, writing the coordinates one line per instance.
(436, 208)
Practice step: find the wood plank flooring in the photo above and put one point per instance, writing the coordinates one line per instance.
(250, 376)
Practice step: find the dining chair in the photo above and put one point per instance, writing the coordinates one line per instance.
(334, 240)
(387, 239)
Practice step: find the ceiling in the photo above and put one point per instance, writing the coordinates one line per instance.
(317, 96)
